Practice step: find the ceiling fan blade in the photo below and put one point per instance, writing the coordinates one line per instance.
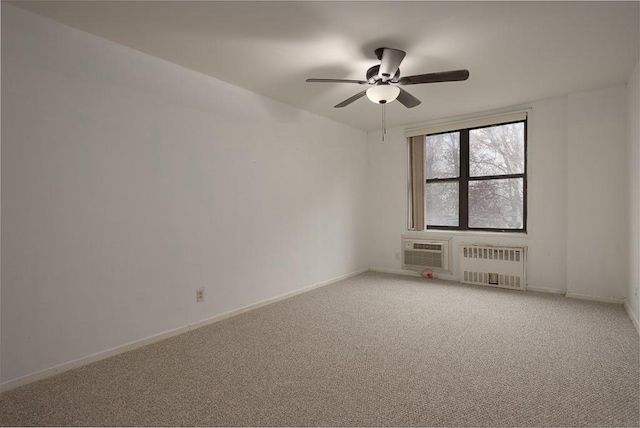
(443, 76)
(352, 99)
(389, 63)
(407, 100)
(359, 82)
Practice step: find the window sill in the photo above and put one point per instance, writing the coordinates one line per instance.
(470, 233)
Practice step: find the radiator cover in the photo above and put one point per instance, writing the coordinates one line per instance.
(493, 266)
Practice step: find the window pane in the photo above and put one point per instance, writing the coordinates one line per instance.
(496, 150)
(443, 156)
(496, 204)
(442, 204)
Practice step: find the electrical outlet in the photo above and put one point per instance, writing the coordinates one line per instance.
(200, 295)
(636, 292)
(397, 256)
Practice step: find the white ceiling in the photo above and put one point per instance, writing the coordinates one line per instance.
(516, 52)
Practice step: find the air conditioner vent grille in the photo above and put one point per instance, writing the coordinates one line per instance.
(420, 246)
(423, 258)
(424, 254)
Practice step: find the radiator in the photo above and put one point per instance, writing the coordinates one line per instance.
(494, 266)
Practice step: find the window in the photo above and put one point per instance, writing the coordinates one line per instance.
(474, 178)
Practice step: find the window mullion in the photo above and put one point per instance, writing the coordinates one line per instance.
(496, 177)
(441, 180)
(463, 216)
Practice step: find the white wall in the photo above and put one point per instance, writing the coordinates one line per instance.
(129, 182)
(633, 132)
(550, 215)
(597, 234)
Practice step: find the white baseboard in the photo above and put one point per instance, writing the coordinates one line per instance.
(273, 300)
(43, 374)
(61, 368)
(396, 271)
(595, 298)
(529, 288)
(414, 273)
(632, 316)
(546, 290)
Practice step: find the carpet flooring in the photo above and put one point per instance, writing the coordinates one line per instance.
(372, 350)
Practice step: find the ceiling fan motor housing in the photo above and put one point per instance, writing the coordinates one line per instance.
(372, 74)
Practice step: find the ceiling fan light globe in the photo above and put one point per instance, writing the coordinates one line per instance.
(381, 94)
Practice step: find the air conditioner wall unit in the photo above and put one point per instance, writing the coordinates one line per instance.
(425, 254)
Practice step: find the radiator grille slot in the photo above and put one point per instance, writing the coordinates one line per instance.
(513, 255)
(494, 279)
(493, 266)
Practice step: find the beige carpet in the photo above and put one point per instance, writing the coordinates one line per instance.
(373, 350)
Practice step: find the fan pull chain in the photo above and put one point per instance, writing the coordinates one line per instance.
(384, 120)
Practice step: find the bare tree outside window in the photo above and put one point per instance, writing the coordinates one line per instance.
(443, 155)
(496, 204)
(442, 203)
(497, 150)
(476, 178)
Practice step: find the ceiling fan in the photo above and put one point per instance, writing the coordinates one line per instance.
(384, 80)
